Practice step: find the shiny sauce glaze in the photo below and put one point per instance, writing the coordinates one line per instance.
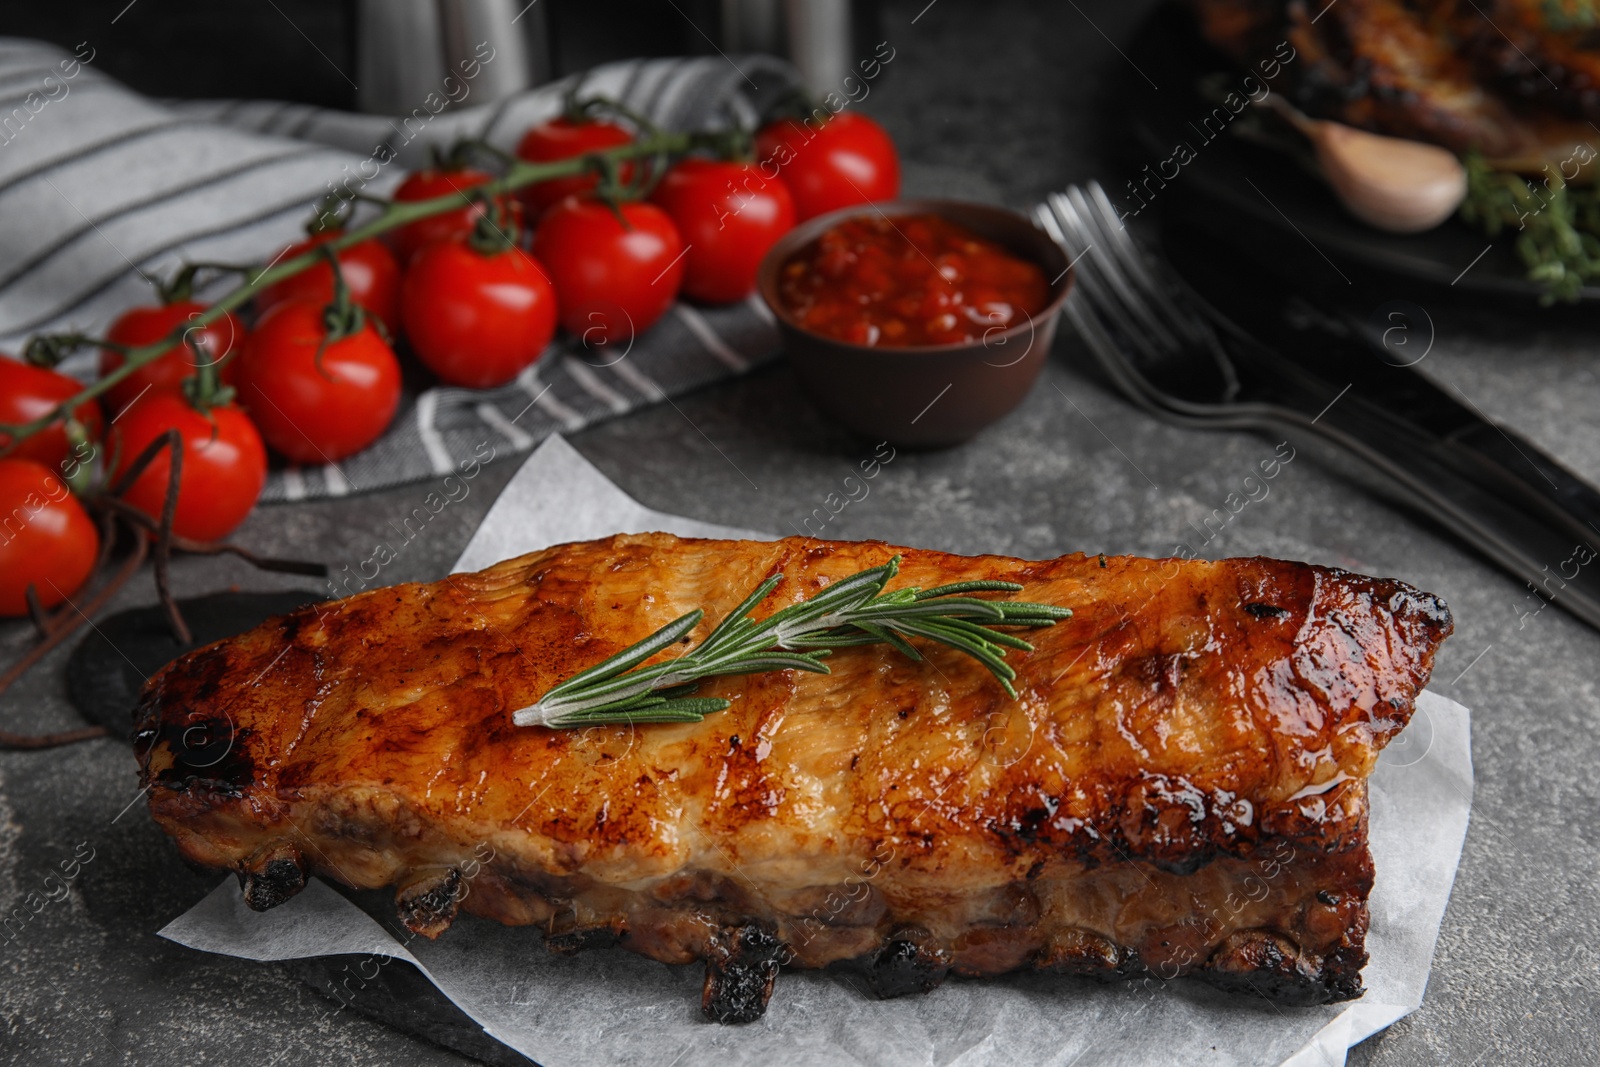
(1179, 786)
(910, 281)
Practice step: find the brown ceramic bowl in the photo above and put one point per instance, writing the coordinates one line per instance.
(927, 395)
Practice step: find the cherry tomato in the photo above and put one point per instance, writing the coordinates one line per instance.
(474, 319)
(27, 393)
(147, 325)
(430, 183)
(370, 271)
(224, 463)
(311, 408)
(612, 280)
(847, 160)
(47, 540)
(728, 215)
(562, 138)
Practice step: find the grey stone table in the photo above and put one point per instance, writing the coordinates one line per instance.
(994, 100)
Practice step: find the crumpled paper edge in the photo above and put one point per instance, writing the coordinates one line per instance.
(1447, 723)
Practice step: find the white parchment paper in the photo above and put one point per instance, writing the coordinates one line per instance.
(609, 1006)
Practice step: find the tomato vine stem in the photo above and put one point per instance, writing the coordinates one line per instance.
(518, 175)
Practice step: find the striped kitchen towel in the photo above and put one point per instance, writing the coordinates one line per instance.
(102, 189)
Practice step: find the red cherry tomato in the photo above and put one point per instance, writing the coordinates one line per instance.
(430, 183)
(847, 160)
(562, 138)
(369, 269)
(612, 281)
(224, 463)
(315, 409)
(729, 215)
(147, 325)
(474, 319)
(47, 540)
(27, 393)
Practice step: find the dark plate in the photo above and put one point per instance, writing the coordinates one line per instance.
(114, 658)
(1246, 188)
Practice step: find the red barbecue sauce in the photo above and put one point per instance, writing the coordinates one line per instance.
(913, 280)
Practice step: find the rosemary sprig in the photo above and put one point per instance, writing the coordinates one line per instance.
(853, 611)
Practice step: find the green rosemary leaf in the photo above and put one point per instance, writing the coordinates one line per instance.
(839, 637)
(620, 662)
(983, 653)
(994, 637)
(1034, 614)
(846, 592)
(1049, 611)
(606, 709)
(889, 637)
(648, 704)
(852, 611)
(981, 586)
(700, 705)
(728, 628)
(682, 710)
(779, 661)
(621, 683)
(1022, 624)
(691, 710)
(998, 667)
(986, 609)
(636, 702)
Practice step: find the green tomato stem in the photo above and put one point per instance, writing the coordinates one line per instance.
(518, 175)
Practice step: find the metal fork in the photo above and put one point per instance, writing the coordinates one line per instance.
(1176, 355)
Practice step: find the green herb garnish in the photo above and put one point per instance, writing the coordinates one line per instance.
(853, 611)
(1565, 16)
(1557, 224)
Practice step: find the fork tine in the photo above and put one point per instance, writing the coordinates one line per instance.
(1164, 297)
(1065, 224)
(1102, 214)
(1087, 313)
(1135, 266)
(1125, 261)
(1137, 304)
(1096, 295)
(1100, 288)
(1047, 222)
(1092, 277)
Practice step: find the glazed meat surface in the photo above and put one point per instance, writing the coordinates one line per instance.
(1517, 80)
(1179, 787)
